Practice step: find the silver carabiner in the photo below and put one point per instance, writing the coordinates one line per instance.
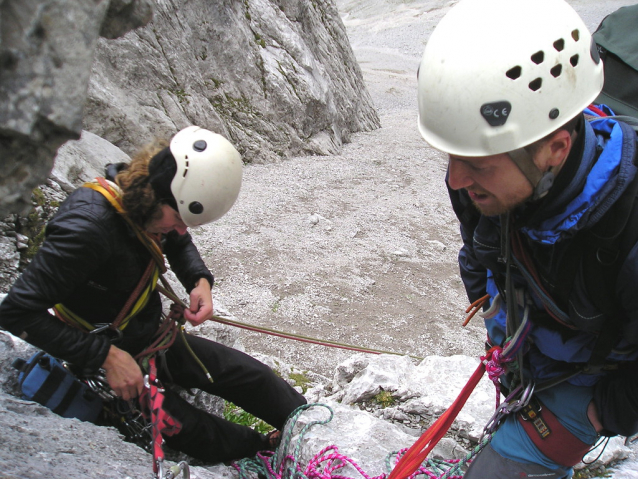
(523, 400)
(174, 471)
(495, 420)
(510, 406)
(106, 327)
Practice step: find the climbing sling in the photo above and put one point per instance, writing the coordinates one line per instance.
(142, 293)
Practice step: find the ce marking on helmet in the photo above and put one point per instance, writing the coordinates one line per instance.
(496, 113)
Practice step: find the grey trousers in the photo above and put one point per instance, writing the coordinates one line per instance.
(489, 464)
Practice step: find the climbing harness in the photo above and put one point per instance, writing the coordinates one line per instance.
(142, 292)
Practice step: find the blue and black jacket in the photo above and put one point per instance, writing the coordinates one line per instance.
(599, 169)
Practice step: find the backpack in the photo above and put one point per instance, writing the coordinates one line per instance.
(47, 381)
(617, 42)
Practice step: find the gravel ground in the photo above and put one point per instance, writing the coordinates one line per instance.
(358, 248)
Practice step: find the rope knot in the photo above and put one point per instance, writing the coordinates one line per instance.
(495, 362)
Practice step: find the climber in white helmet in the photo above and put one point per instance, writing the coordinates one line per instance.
(543, 183)
(92, 269)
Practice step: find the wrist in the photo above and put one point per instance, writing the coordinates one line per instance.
(202, 282)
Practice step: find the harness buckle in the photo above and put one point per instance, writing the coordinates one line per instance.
(115, 333)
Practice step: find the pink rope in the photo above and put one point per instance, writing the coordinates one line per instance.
(328, 462)
(495, 368)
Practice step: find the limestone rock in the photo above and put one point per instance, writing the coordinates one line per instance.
(82, 160)
(46, 52)
(276, 77)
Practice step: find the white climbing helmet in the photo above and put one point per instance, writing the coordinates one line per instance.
(497, 75)
(208, 177)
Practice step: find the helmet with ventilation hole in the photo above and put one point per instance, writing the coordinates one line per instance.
(208, 177)
(497, 75)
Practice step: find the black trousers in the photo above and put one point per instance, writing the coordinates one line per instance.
(237, 377)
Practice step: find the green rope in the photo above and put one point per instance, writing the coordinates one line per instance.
(282, 465)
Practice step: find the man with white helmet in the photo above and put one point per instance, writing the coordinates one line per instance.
(539, 190)
(98, 269)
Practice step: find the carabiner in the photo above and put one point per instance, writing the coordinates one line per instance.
(174, 471)
(523, 400)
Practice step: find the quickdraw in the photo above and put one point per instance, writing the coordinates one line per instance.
(161, 424)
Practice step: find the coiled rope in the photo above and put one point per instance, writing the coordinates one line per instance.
(329, 463)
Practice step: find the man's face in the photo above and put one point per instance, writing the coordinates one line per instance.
(494, 183)
(169, 221)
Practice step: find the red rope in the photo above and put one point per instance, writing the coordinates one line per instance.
(419, 451)
(597, 110)
(303, 338)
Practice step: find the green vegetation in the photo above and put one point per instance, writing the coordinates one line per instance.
(35, 225)
(237, 415)
(216, 82)
(587, 473)
(275, 307)
(384, 399)
(181, 95)
(300, 379)
(260, 41)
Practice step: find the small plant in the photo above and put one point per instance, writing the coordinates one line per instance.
(181, 95)
(35, 224)
(300, 379)
(260, 41)
(384, 399)
(237, 415)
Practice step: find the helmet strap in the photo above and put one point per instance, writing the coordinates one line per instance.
(541, 182)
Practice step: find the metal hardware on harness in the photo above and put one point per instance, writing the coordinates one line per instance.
(147, 383)
(532, 414)
(173, 471)
(106, 327)
(509, 406)
(100, 385)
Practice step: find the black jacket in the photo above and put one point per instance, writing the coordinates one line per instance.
(91, 261)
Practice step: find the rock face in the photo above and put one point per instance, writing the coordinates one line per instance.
(276, 77)
(46, 52)
(365, 436)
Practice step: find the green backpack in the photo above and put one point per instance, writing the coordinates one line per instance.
(617, 42)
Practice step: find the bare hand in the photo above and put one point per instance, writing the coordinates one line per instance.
(201, 308)
(123, 374)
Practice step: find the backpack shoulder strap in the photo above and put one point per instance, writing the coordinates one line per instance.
(114, 195)
(610, 242)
